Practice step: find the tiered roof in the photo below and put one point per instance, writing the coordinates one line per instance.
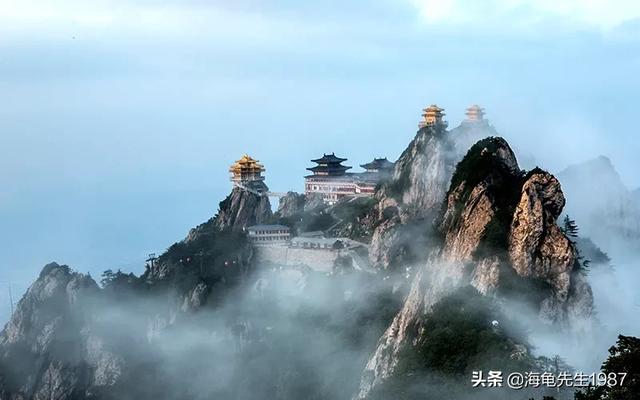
(378, 164)
(246, 169)
(432, 115)
(329, 165)
(475, 113)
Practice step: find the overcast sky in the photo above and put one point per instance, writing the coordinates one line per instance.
(119, 118)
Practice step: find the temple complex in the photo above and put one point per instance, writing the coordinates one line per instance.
(432, 116)
(331, 179)
(247, 173)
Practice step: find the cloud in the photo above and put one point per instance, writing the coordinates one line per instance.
(150, 18)
(599, 14)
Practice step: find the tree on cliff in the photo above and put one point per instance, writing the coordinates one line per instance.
(569, 227)
(624, 358)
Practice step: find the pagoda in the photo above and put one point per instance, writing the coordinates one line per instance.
(376, 171)
(378, 165)
(475, 114)
(330, 179)
(329, 165)
(246, 170)
(432, 116)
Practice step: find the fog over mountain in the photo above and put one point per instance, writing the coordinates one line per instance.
(605, 209)
(462, 263)
(608, 214)
(119, 118)
(132, 268)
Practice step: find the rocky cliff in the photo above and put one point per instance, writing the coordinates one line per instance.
(417, 188)
(414, 193)
(55, 347)
(71, 339)
(291, 205)
(499, 234)
(202, 322)
(241, 209)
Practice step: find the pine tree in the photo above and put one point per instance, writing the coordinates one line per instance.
(569, 227)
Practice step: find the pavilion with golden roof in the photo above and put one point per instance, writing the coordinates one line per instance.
(246, 170)
(474, 113)
(432, 116)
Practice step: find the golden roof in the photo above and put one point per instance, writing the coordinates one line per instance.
(432, 114)
(246, 163)
(433, 109)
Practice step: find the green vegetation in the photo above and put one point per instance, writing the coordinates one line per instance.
(480, 162)
(209, 255)
(592, 252)
(503, 185)
(570, 229)
(624, 357)
(115, 280)
(215, 247)
(320, 221)
(396, 187)
(355, 219)
(352, 218)
(458, 337)
(519, 289)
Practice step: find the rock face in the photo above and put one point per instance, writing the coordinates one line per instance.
(499, 232)
(414, 192)
(291, 204)
(537, 247)
(421, 174)
(242, 209)
(48, 350)
(313, 202)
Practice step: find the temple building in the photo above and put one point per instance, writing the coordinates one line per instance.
(268, 234)
(432, 116)
(331, 179)
(247, 173)
(329, 165)
(378, 165)
(475, 114)
(376, 171)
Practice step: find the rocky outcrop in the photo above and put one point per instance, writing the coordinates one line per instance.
(414, 192)
(421, 175)
(385, 249)
(48, 349)
(419, 185)
(499, 231)
(537, 247)
(241, 209)
(291, 204)
(313, 202)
